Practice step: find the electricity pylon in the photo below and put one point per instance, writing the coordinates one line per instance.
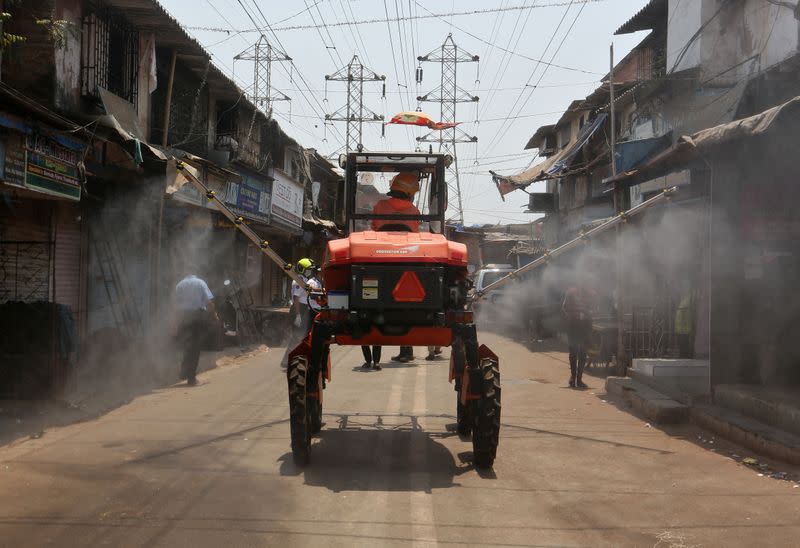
(354, 113)
(448, 95)
(262, 53)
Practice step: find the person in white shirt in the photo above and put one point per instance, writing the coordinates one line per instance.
(195, 306)
(303, 308)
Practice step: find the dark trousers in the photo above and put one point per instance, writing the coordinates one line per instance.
(374, 357)
(578, 334)
(407, 351)
(308, 314)
(192, 333)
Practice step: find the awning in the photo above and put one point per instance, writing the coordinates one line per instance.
(122, 123)
(630, 154)
(554, 166)
(695, 110)
(114, 131)
(777, 122)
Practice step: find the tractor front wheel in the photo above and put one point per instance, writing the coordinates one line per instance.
(299, 412)
(486, 423)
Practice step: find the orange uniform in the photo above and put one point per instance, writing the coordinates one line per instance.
(395, 206)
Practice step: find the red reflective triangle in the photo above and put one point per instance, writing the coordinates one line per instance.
(408, 289)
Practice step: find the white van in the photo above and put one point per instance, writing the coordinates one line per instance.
(490, 274)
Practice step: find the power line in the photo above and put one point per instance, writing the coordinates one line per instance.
(322, 38)
(544, 72)
(430, 15)
(533, 72)
(299, 72)
(394, 55)
(518, 54)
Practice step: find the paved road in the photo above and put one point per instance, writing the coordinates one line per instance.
(210, 467)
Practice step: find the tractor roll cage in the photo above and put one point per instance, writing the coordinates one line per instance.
(424, 162)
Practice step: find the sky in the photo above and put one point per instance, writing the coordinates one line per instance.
(517, 93)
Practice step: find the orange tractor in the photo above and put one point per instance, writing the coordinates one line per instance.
(395, 280)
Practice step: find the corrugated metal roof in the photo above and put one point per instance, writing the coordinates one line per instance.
(151, 16)
(647, 18)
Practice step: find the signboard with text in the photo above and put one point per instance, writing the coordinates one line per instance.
(12, 170)
(52, 168)
(287, 199)
(249, 198)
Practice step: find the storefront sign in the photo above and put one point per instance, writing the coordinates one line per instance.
(52, 168)
(249, 198)
(12, 162)
(287, 199)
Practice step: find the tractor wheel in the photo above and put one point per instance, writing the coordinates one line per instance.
(299, 412)
(486, 424)
(463, 419)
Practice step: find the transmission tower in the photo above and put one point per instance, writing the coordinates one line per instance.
(263, 55)
(354, 113)
(448, 95)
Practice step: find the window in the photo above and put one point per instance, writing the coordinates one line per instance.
(109, 54)
(226, 119)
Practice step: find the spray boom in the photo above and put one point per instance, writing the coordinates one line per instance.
(580, 240)
(239, 223)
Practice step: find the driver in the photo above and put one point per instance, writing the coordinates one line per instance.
(400, 202)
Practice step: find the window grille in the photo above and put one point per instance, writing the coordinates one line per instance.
(109, 54)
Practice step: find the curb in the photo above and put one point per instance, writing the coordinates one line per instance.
(654, 405)
(748, 432)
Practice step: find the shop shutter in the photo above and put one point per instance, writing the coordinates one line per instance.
(68, 258)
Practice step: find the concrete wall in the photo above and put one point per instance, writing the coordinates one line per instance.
(749, 35)
(746, 36)
(685, 18)
(67, 92)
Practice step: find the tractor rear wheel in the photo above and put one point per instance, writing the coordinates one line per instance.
(299, 412)
(486, 424)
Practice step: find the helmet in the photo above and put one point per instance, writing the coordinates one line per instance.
(303, 265)
(406, 182)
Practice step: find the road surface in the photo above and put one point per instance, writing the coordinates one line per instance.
(210, 466)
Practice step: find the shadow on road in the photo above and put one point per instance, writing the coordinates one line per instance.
(390, 453)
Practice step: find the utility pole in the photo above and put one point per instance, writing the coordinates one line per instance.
(354, 113)
(263, 54)
(619, 207)
(448, 95)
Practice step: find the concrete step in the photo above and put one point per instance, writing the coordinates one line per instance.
(777, 407)
(748, 432)
(654, 405)
(684, 380)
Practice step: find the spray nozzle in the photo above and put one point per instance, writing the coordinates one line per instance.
(238, 220)
(265, 245)
(210, 195)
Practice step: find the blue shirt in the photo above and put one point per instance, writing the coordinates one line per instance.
(192, 293)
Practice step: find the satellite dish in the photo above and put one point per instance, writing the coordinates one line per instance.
(315, 188)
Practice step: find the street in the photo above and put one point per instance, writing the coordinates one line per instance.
(211, 466)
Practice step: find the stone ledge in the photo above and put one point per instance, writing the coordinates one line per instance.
(654, 405)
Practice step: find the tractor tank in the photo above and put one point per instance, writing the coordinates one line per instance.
(397, 284)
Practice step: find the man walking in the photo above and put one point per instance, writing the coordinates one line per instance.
(577, 316)
(195, 306)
